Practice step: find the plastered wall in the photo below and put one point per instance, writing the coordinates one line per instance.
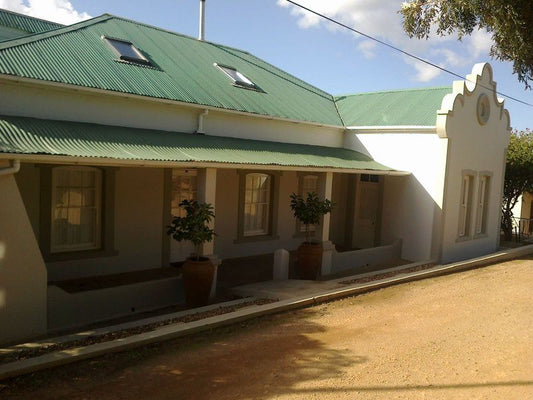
(53, 103)
(411, 204)
(477, 146)
(23, 274)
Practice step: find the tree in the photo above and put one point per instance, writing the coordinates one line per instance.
(309, 210)
(509, 22)
(518, 175)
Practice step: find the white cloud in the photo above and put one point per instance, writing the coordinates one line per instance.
(368, 47)
(61, 11)
(424, 72)
(381, 19)
(480, 43)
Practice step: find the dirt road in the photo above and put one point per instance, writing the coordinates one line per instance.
(463, 336)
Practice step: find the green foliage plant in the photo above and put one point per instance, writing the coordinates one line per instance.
(309, 210)
(509, 23)
(194, 226)
(518, 175)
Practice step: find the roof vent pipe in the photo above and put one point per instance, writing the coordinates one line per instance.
(201, 116)
(201, 30)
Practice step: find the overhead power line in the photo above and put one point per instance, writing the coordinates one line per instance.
(334, 21)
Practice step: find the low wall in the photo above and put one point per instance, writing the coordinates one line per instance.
(68, 310)
(350, 260)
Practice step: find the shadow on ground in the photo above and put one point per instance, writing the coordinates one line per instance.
(243, 361)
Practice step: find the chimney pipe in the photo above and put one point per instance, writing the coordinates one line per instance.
(201, 33)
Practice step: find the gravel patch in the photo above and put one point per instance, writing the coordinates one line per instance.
(385, 275)
(24, 354)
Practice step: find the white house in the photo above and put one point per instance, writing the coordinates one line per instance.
(108, 123)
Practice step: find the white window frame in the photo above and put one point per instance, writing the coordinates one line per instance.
(179, 193)
(483, 196)
(465, 205)
(96, 243)
(238, 78)
(255, 200)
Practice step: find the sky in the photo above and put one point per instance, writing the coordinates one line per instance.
(316, 51)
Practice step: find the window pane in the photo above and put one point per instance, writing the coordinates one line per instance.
(75, 208)
(256, 204)
(74, 197)
(183, 188)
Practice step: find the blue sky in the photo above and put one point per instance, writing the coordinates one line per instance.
(328, 57)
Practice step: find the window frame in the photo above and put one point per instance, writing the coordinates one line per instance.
(106, 231)
(179, 172)
(141, 59)
(272, 207)
(96, 243)
(466, 193)
(237, 77)
(482, 203)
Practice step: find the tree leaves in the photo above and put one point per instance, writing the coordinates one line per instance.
(510, 23)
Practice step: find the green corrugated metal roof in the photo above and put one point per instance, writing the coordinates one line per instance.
(19, 135)
(392, 108)
(185, 71)
(25, 22)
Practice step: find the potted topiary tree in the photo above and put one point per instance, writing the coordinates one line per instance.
(198, 271)
(309, 211)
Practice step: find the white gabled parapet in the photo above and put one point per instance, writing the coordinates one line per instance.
(476, 83)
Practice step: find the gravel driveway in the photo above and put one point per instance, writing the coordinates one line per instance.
(462, 336)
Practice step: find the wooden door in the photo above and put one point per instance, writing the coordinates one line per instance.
(366, 212)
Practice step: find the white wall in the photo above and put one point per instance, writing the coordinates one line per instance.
(52, 103)
(412, 204)
(22, 271)
(474, 147)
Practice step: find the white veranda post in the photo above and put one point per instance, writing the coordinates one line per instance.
(325, 185)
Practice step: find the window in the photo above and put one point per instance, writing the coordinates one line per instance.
(183, 188)
(237, 77)
(482, 204)
(127, 51)
(465, 205)
(257, 205)
(76, 210)
(369, 178)
(307, 184)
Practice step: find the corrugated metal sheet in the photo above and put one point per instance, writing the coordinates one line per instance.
(184, 70)
(25, 22)
(392, 108)
(20, 135)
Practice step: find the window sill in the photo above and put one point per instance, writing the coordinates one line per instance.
(79, 255)
(251, 239)
(480, 236)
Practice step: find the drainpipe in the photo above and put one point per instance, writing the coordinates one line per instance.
(201, 33)
(13, 169)
(201, 116)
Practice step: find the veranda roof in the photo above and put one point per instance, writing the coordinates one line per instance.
(30, 136)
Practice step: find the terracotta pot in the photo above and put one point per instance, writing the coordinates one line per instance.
(309, 260)
(197, 280)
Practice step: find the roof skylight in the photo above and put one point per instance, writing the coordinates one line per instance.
(237, 77)
(127, 51)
